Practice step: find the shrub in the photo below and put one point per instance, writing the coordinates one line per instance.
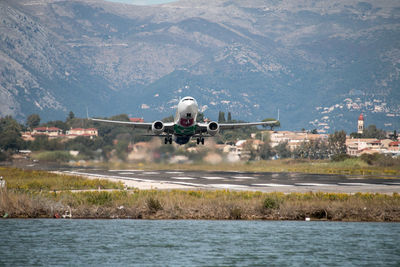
(99, 198)
(387, 161)
(271, 202)
(55, 156)
(340, 157)
(380, 160)
(370, 158)
(235, 213)
(3, 156)
(153, 204)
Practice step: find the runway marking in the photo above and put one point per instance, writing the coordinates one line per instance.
(126, 173)
(355, 184)
(392, 183)
(174, 172)
(150, 173)
(132, 178)
(272, 185)
(213, 178)
(125, 170)
(108, 176)
(183, 178)
(232, 186)
(312, 184)
(188, 184)
(243, 177)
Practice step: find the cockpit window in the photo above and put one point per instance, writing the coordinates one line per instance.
(186, 99)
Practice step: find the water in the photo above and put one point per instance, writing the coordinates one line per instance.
(197, 243)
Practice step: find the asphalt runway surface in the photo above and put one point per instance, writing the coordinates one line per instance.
(245, 181)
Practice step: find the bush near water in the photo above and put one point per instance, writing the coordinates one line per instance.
(38, 194)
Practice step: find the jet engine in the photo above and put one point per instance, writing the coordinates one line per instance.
(157, 127)
(212, 128)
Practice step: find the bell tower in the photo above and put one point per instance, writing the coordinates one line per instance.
(360, 124)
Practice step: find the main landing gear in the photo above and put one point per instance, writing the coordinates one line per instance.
(200, 140)
(167, 140)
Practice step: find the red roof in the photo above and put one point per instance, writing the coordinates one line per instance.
(47, 129)
(136, 119)
(396, 143)
(361, 117)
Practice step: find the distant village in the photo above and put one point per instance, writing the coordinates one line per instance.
(239, 150)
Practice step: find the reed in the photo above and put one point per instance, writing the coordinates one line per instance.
(199, 204)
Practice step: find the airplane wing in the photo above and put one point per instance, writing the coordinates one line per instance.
(227, 126)
(168, 126)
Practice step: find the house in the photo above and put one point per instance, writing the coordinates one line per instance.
(27, 136)
(51, 132)
(394, 146)
(359, 146)
(75, 132)
(294, 139)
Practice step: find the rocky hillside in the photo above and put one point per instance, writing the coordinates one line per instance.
(321, 63)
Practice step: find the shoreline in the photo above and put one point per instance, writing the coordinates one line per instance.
(201, 205)
(40, 194)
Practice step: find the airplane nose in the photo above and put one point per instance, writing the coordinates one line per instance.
(189, 109)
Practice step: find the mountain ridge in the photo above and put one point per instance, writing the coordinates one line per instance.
(321, 63)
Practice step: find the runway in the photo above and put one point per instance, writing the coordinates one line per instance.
(244, 181)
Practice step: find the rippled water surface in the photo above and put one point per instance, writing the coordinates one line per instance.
(197, 243)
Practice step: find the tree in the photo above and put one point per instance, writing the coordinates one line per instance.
(122, 149)
(59, 124)
(394, 136)
(10, 134)
(229, 117)
(33, 121)
(314, 149)
(221, 117)
(283, 151)
(120, 117)
(266, 151)
(71, 116)
(372, 132)
(200, 117)
(356, 135)
(337, 143)
(168, 119)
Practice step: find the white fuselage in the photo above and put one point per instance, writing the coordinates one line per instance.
(186, 112)
(185, 120)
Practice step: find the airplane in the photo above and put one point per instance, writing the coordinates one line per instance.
(184, 127)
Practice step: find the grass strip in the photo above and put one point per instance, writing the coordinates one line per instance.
(31, 180)
(210, 205)
(346, 167)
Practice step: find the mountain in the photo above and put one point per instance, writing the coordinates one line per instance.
(320, 63)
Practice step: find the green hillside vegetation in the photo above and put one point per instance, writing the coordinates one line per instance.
(114, 140)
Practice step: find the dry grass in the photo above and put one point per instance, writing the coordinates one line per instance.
(28, 180)
(349, 167)
(214, 205)
(27, 205)
(25, 197)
